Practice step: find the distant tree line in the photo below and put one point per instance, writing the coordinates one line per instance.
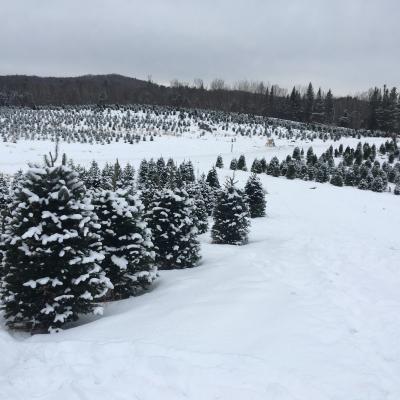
(377, 110)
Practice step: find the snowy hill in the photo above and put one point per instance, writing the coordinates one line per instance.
(307, 310)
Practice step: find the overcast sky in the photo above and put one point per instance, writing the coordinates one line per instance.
(346, 45)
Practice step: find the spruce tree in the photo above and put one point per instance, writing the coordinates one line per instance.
(233, 165)
(52, 262)
(397, 189)
(241, 165)
(170, 217)
(200, 209)
(255, 197)
(257, 167)
(93, 176)
(212, 178)
(337, 179)
(220, 162)
(5, 197)
(128, 178)
(127, 246)
(231, 216)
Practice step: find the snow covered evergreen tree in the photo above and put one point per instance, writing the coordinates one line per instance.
(241, 164)
(52, 261)
(170, 217)
(255, 197)
(220, 162)
(233, 165)
(200, 210)
(337, 179)
(5, 197)
(231, 216)
(93, 176)
(128, 179)
(127, 246)
(212, 178)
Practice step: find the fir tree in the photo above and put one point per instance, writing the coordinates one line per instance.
(52, 256)
(127, 245)
(337, 179)
(397, 189)
(128, 179)
(233, 164)
(256, 167)
(220, 162)
(241, 165)
(231, 216)
(170, 217)
(200, 209)
(5, 197)
(212, 178)
(93, 176)
(255, 197)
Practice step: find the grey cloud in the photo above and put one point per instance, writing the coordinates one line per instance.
(347, 45)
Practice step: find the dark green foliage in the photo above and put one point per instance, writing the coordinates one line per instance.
(126, 240)
(52, 260)
(337, 179)
(212, 178)
(170, 217)
(200, 208)
(241, 164)
(231, 216)
(257, 167)
(291, 170)
(255, 197)
(220, 162)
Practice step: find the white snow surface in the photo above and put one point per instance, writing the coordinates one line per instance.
(308, 310)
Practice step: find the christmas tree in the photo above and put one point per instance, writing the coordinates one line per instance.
(170, 217)
(231, 216)
(255, 197)
(52, 261)
(127, 246)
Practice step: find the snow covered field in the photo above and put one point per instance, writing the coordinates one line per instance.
(201, 151)
(308, 310)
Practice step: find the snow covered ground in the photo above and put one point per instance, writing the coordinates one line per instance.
(202, 151)
(308, 310)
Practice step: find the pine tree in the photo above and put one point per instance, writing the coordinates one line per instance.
(231, 216)
(107, 177)
(170, 217)
(51, 265)
(126, 240)
(397, 189)
(233, 164)
(255, 197)
(208, 194)
(329, 107)
(256, 167)
(5, 197)
(291, 170)
(220, 162)
(128, 179)
(212, 178)
(309, 103)
(143, 174)
(337, 179)
(241, 165)
(200, 209)
(378, 184)
(93, 176)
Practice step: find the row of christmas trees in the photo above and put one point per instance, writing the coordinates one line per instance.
(358, 167)
(73, 238)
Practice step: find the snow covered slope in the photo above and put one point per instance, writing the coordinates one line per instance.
(308, 310)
